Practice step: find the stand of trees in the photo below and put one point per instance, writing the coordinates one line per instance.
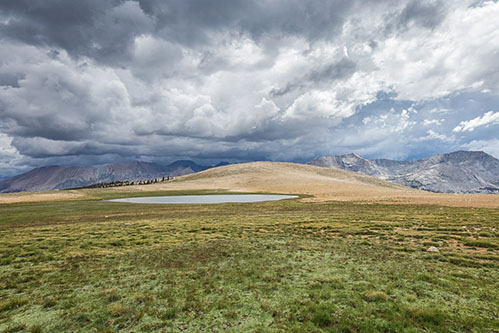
(126, 183)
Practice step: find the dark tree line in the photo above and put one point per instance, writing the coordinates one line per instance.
(126, 183)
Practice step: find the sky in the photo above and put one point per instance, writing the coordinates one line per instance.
(98, 81)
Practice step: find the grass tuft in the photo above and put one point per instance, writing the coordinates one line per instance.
(13, 303)
(374, 296)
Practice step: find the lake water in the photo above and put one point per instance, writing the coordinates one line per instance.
(206, 199)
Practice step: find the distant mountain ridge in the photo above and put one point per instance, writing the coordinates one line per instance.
(456, 172)
(64, 177)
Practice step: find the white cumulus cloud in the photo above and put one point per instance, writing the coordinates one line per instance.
(489, 118)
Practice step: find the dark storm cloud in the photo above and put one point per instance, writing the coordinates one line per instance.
(57, 23)
(427, 14)
(105, 29)
(327, 73)
(241, 80)
(335, 71)
(100, 29)
(188, 21)
(10, 79)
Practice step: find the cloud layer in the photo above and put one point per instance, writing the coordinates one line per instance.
(98, 81)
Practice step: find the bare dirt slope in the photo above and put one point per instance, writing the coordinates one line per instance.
(323, 184)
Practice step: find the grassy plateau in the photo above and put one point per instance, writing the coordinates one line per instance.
(84, 265)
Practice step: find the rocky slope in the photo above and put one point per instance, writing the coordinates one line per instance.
(62, 177)
(457, 172)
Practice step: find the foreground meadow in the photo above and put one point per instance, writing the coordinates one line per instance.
(89, 265)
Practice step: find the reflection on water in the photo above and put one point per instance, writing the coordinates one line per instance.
(206, 199)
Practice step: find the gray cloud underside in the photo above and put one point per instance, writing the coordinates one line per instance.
(97, 81)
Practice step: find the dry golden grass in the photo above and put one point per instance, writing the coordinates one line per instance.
(321, 184)
(39, 196)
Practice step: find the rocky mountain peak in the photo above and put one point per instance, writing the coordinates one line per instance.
(456, 172)
(62, 177)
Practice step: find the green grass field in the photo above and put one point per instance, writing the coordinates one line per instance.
(88, 265)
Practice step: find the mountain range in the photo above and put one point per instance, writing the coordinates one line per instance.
(456, 172)
(64, 177)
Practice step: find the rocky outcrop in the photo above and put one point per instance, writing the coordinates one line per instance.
(457, 172)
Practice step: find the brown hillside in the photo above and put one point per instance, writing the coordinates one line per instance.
(323, 184)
